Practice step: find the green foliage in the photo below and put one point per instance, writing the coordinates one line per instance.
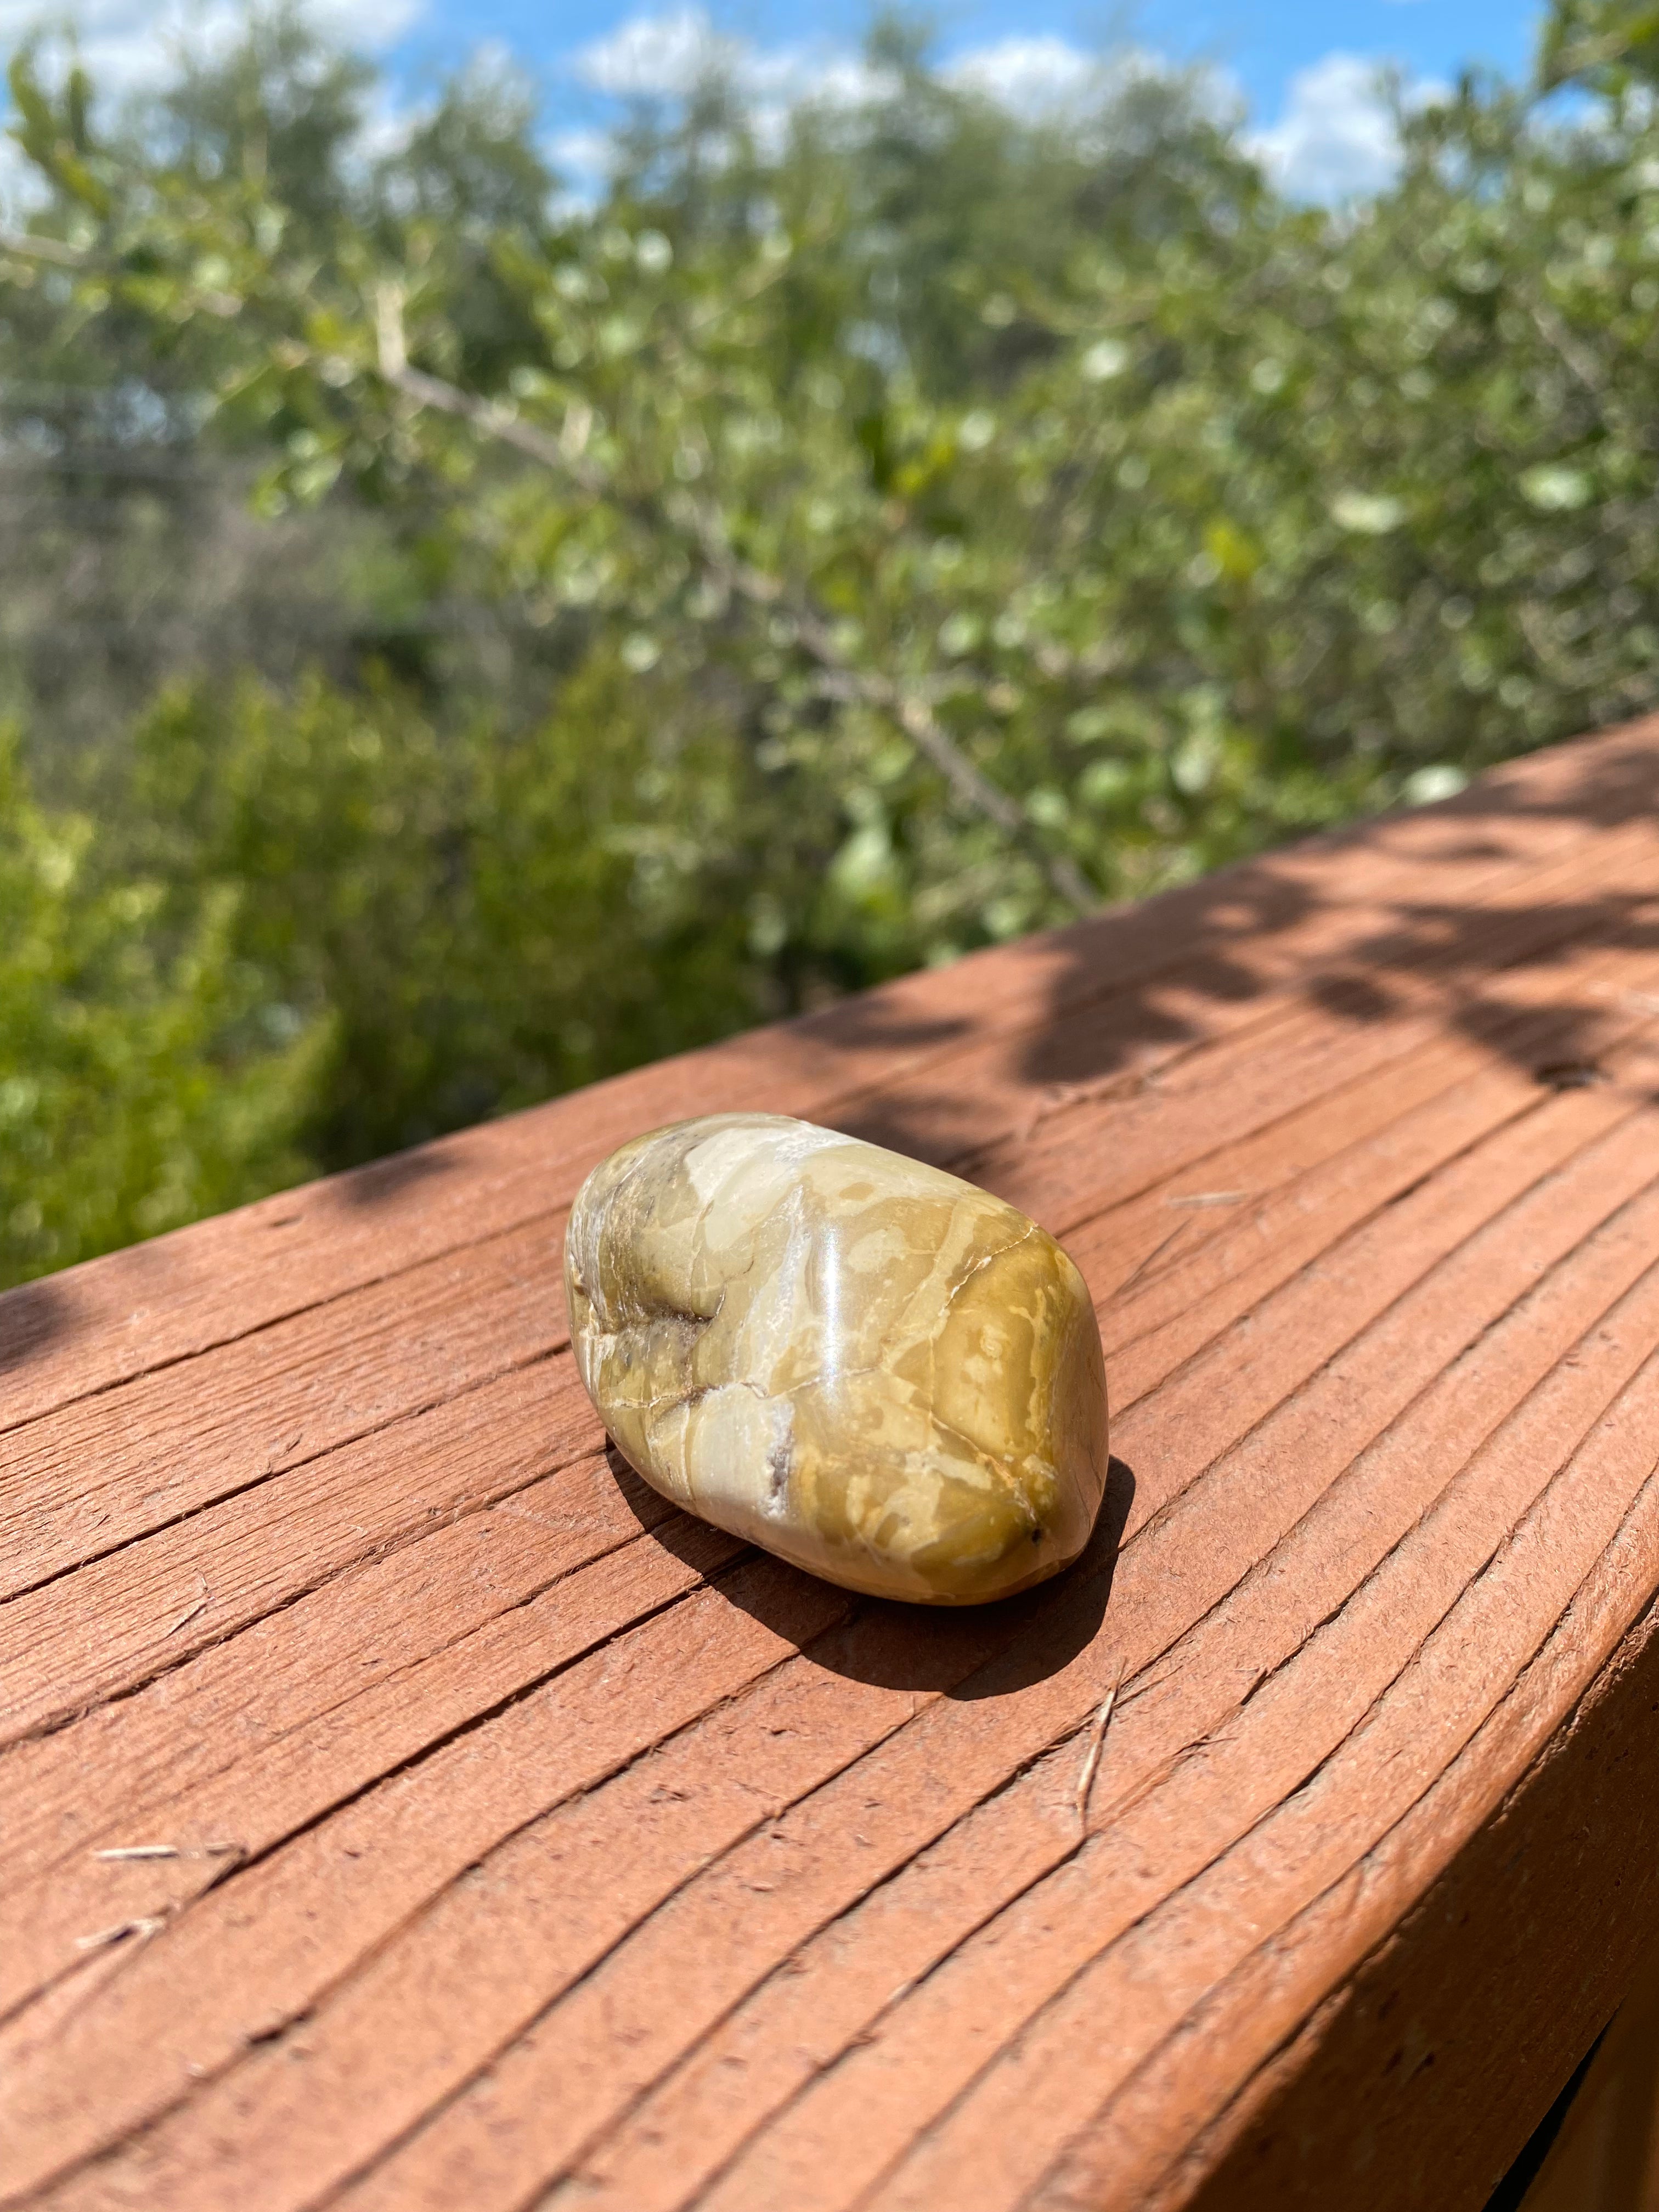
(142, 1081)
(829, 552)
(1606, 43)
(482, 918)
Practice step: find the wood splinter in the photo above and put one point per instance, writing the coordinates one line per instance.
(1085, 1780)
(170, 1851)
(150, 1924)
(200, 1606)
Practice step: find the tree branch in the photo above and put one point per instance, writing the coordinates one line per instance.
(815, 635)
(27, 247)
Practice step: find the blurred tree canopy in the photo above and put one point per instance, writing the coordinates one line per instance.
(467, 639)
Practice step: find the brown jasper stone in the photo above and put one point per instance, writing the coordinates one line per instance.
(863, 1365)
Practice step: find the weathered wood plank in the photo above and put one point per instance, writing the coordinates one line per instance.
(579, 1855)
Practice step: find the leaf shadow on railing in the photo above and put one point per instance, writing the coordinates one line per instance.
(31, 1317)
(35, 1316)
(1122, 999)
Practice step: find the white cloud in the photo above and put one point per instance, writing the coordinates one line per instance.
(657, 57)
(1336, 135)
(666, 57)
(128, 44)
(1034, 76)
(1041, 76)
(579, 152)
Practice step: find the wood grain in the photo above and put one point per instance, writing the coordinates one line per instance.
(529, 1844)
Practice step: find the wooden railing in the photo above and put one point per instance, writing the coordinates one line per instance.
(404, 1808)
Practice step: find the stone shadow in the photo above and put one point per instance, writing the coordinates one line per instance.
(966, 1652)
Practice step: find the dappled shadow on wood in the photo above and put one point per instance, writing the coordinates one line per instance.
(35, 1316)
(964, 1652)
(1128, 991)
(389, 1178)
(31, 1317)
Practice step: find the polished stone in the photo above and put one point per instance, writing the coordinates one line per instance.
(866, 1365)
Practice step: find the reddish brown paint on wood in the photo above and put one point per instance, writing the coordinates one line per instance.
(533, 1845)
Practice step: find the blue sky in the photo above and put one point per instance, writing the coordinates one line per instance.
(1301, 72)
(1264, 43)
